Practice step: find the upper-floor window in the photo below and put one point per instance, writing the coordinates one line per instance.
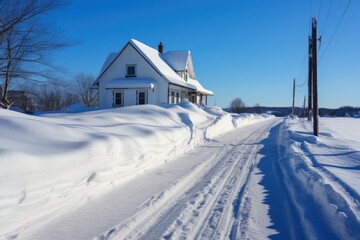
(184, 75)
(131, 70)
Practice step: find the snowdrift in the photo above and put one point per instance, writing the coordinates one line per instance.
(323, 169)
(54, 163)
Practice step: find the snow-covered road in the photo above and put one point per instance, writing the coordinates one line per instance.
(209, 202)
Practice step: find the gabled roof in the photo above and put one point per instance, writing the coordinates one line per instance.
(176, 59)
(155, 59)
(180, 61)
(110, 58)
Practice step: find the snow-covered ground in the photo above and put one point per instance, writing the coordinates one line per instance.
(56, 163)
(326, 171)
(177, 172)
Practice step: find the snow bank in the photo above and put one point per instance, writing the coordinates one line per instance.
(321, 168)
(244, 119)
(54, 163)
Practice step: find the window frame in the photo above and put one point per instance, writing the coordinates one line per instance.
(121, 99)
(138, 97)
(172, 96)
(127, 67)
(193, 98)
(177, 96)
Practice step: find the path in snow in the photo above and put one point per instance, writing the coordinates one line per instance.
(205, 205)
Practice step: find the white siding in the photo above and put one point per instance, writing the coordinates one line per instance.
(143, 70)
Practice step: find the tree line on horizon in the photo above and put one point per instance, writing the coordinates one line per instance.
(237, 105)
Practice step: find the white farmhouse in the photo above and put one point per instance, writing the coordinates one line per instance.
(139, 74)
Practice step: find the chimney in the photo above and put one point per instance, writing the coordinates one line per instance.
(161, 48)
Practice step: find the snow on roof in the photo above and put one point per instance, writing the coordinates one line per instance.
(153, 56)
(180, 61)
(199, 87)
(176, 59)
(164, 68)
(111, 57)
(133, 83)
(160, 65)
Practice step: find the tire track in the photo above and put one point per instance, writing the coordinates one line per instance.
(205, 211)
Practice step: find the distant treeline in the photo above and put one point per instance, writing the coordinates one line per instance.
(345, 111)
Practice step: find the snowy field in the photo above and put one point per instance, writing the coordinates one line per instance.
(177, 172)
(326, 170)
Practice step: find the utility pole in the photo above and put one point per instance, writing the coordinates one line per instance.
(310, 98)
(315, 111)
(293, 101)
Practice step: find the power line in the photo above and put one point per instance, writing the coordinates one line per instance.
(302, 65)
(318, 17)
(301, 85)
(320, 8)
(337, 27)
(327, 17)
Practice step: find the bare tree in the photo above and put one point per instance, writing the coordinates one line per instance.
(14, 12)
(25, 42)
(257, 108)
(53, 96)
(86, 94)
(237, 105)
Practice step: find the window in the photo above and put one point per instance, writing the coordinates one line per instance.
(118, 99)
(184, 95)
(184, 75)
(193, 98)
(178, 97)
(130, 70)
(141, 97)
(175, 96)
(172, 99)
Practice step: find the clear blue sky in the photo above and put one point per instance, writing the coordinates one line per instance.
(250, 49)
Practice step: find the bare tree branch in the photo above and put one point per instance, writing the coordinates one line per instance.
(25, 42)
(84, 91)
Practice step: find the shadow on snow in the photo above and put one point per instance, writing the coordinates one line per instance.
(286, 217)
